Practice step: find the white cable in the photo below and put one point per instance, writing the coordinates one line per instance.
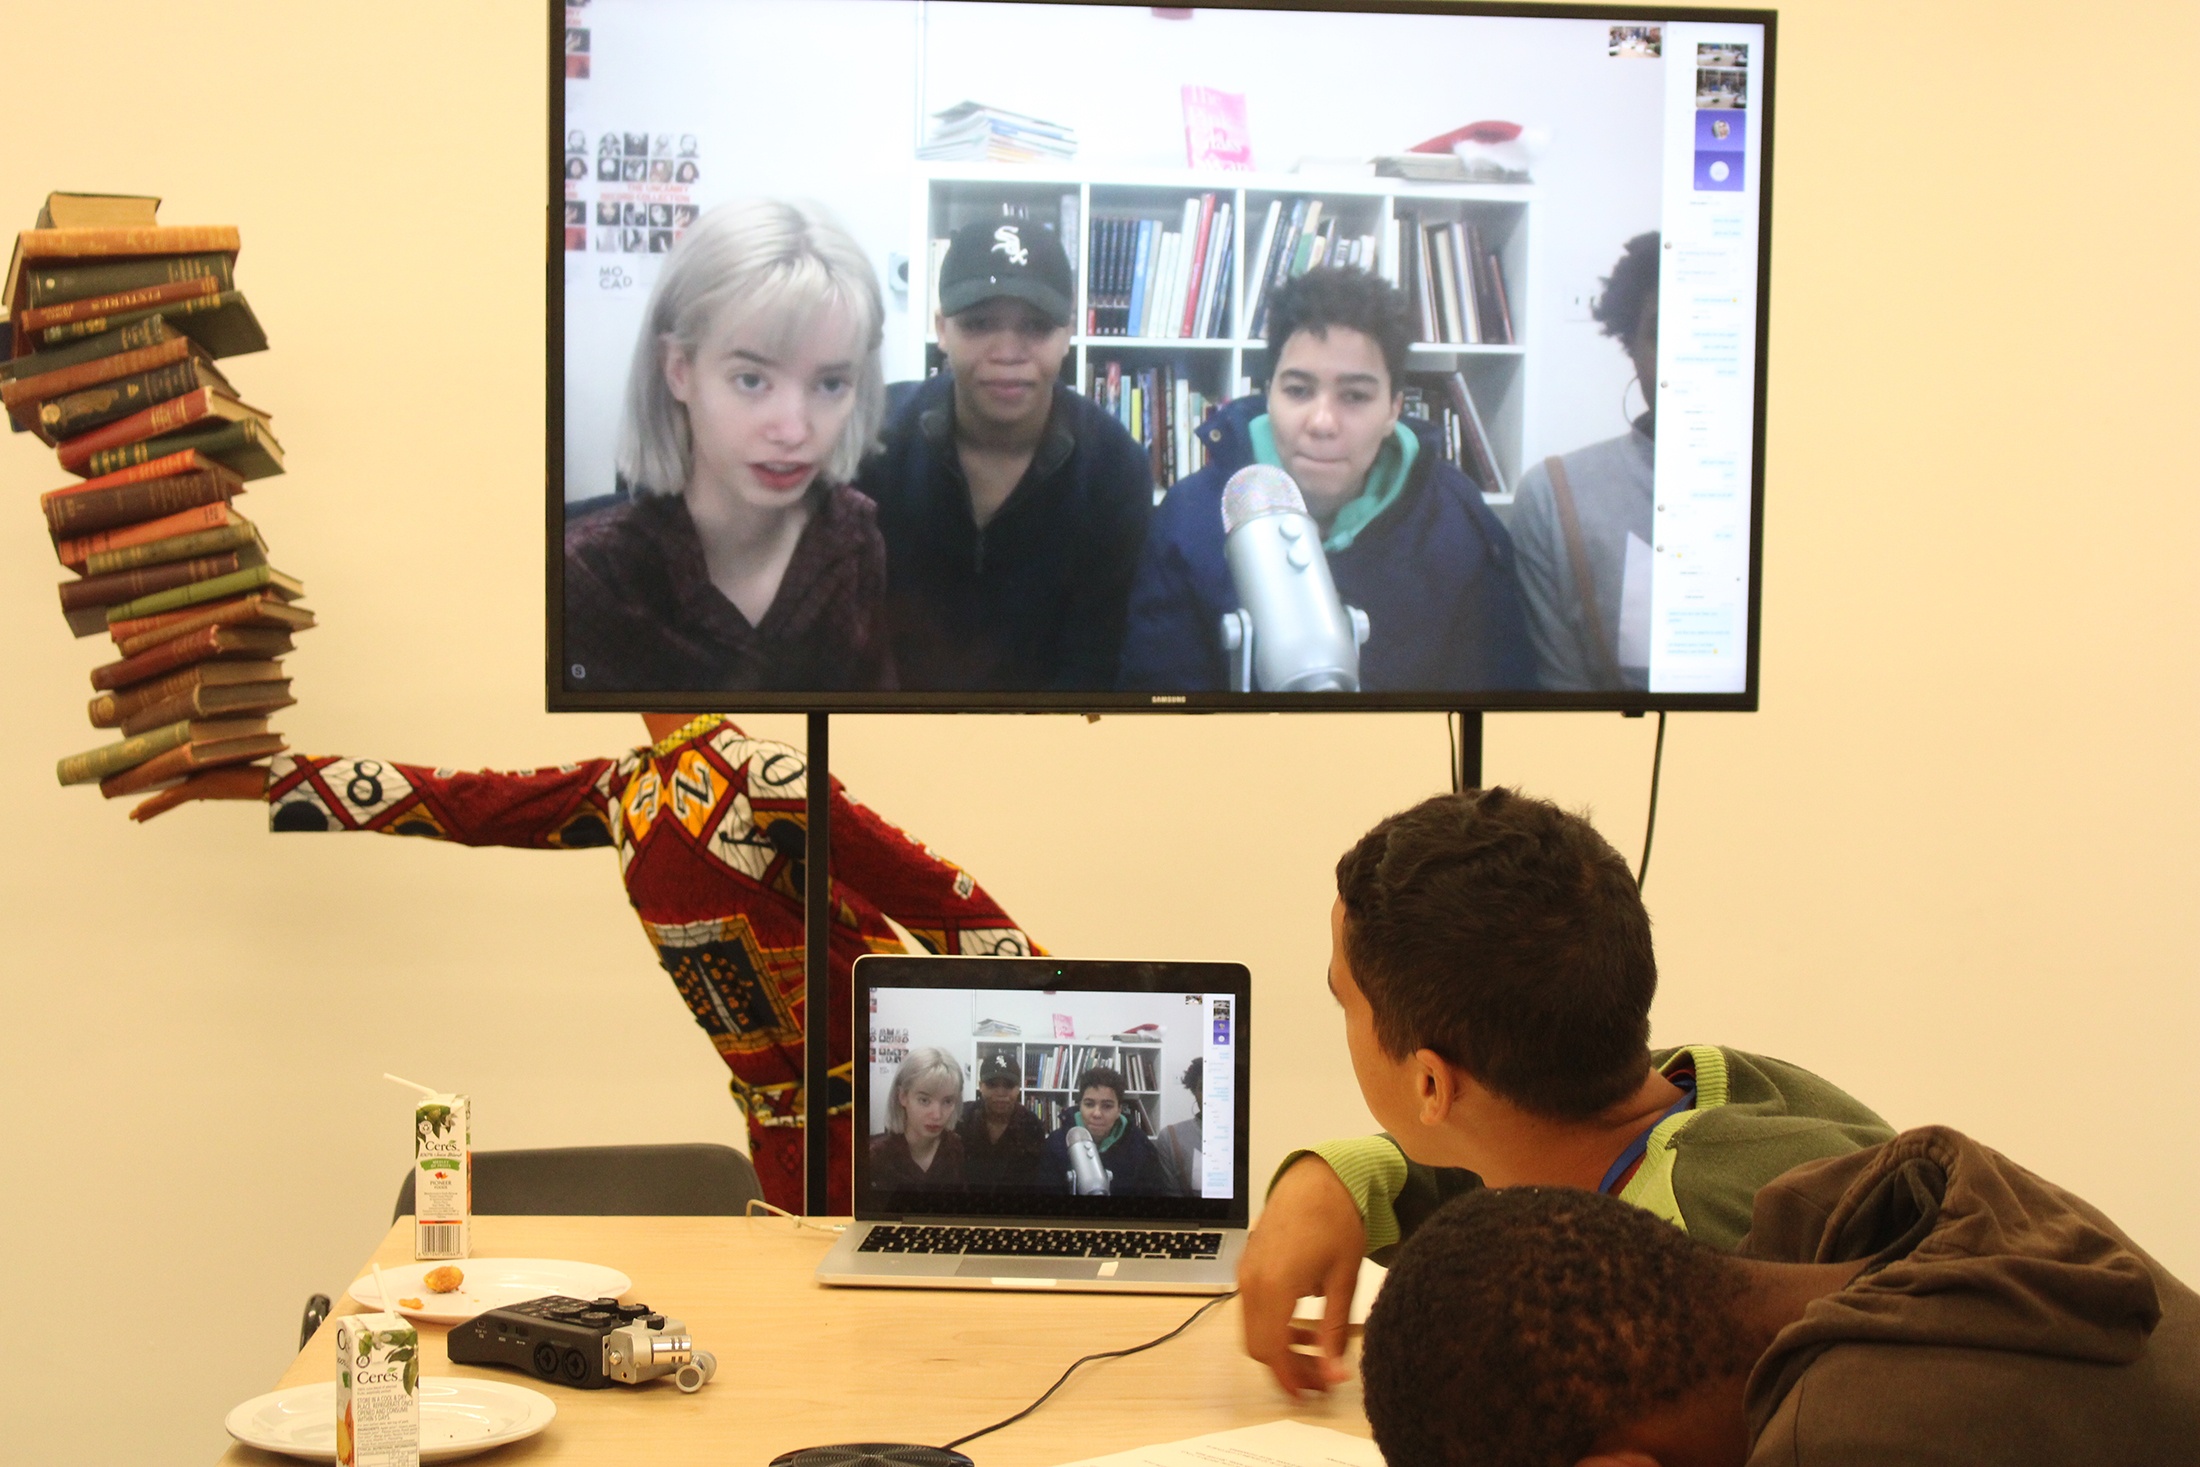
(798, 1221)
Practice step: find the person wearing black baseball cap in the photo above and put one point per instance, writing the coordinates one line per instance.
(1001, 1138)
(1013, 508)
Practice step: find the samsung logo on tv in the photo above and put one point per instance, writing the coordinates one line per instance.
(1168, 697)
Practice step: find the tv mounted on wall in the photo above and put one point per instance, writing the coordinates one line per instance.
(1409, 356)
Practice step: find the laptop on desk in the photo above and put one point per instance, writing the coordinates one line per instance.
(1043, 1123)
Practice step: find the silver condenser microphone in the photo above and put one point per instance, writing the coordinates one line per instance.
(1086, 1177)
(1293, 635)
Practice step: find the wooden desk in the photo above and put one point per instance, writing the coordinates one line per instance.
(802, 1365)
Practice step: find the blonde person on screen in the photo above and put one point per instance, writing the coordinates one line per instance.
(919, 1147)
(739, 559)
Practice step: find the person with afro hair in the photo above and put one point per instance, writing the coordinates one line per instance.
(1924, 1301)
(1581, 521)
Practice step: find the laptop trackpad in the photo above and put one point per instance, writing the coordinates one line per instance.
(1028, 1268)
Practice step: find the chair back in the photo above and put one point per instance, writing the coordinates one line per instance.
(691, 1180)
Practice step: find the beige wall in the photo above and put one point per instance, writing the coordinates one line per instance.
(1951, 863)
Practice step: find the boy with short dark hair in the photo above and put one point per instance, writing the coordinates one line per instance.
(1923, 1301)
(1407, 536)
(1127, 1153)
(1493, 960)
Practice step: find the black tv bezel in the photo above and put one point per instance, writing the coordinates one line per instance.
(1041, 975)
(560, 699)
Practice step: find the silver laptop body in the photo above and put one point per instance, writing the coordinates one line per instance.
(1042, 1123)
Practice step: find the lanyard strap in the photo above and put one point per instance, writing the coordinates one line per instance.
(1633, 1152)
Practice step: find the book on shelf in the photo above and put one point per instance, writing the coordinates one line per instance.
(1443, 401)
(192, 757)
(972, 131)
(206, 685)
(203, 645)
(75, 414)
(1215, 131)
(160, 486)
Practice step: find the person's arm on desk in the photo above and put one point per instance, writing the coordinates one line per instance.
(1329, 1207)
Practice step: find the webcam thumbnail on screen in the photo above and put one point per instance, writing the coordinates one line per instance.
(1097, 349)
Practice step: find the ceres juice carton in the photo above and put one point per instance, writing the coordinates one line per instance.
(377, 1391)
(443, 1177)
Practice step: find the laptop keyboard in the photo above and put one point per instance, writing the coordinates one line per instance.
(1040, 1242)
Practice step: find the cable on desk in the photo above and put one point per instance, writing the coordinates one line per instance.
(1087, 1360)
(797, 1220)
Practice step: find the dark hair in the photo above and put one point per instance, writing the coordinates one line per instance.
(1343, 296)
(1103, 1075)
(1520, 1326)
(1507, 936)
(1194, 1078)
(1632, 281)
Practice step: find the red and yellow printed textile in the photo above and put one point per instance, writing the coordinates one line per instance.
(709, 828)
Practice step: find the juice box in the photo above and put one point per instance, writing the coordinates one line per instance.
(377, 1391)
(443, 1178)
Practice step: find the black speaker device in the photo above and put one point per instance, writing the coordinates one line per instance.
(584, 1343)
(872, 1454)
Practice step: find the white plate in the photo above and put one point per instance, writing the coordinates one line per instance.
(490, 1283)
(458, 1418)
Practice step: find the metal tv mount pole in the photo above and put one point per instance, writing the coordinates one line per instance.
(817, 999)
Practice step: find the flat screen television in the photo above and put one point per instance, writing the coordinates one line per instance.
(993, 355)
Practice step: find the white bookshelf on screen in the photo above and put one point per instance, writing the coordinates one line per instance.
(1219, 367)
(1050, 1068)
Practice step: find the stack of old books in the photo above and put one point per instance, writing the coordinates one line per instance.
(115, 324)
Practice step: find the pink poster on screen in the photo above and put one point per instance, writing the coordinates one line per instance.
(1215, 134)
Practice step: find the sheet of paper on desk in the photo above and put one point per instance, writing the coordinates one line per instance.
(1309, 1309)
(1271, 1444)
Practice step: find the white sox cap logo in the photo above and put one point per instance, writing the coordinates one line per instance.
(1008, 242)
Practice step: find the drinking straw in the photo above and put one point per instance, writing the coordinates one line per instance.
(415, 1084)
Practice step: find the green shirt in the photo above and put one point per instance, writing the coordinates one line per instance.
(1754, 1118)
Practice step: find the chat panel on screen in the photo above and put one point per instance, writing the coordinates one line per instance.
(1406, 355)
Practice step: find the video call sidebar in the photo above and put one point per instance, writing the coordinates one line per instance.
(1706, 394)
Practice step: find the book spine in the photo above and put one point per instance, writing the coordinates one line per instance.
(1249, 297)
(250, 578)
(151, 331)
(125, 503)
(108, 709)
(173, 548)
(95, 407)
(160, 468)
(1462, 254)
(1504, 298)
(1475, 436)
(76, 552)
(189, 758)
(161, 417)
(178, 652)
(77, 282)
(122, 586)
(40, 318)
(50, 385)
(1199, 239)
(232, 700)
(1217, 257)
(111, 240)
(172, 312)
(211, 440)
(1146, 230)
(126, 754)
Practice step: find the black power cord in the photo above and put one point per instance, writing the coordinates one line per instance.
(1087, 1360)
(1650, 826)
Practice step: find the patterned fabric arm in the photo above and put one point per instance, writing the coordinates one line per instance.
(566, 808)
(940, 904)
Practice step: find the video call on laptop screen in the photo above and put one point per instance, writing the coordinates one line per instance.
(1550, 498)
(1052, 1104)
